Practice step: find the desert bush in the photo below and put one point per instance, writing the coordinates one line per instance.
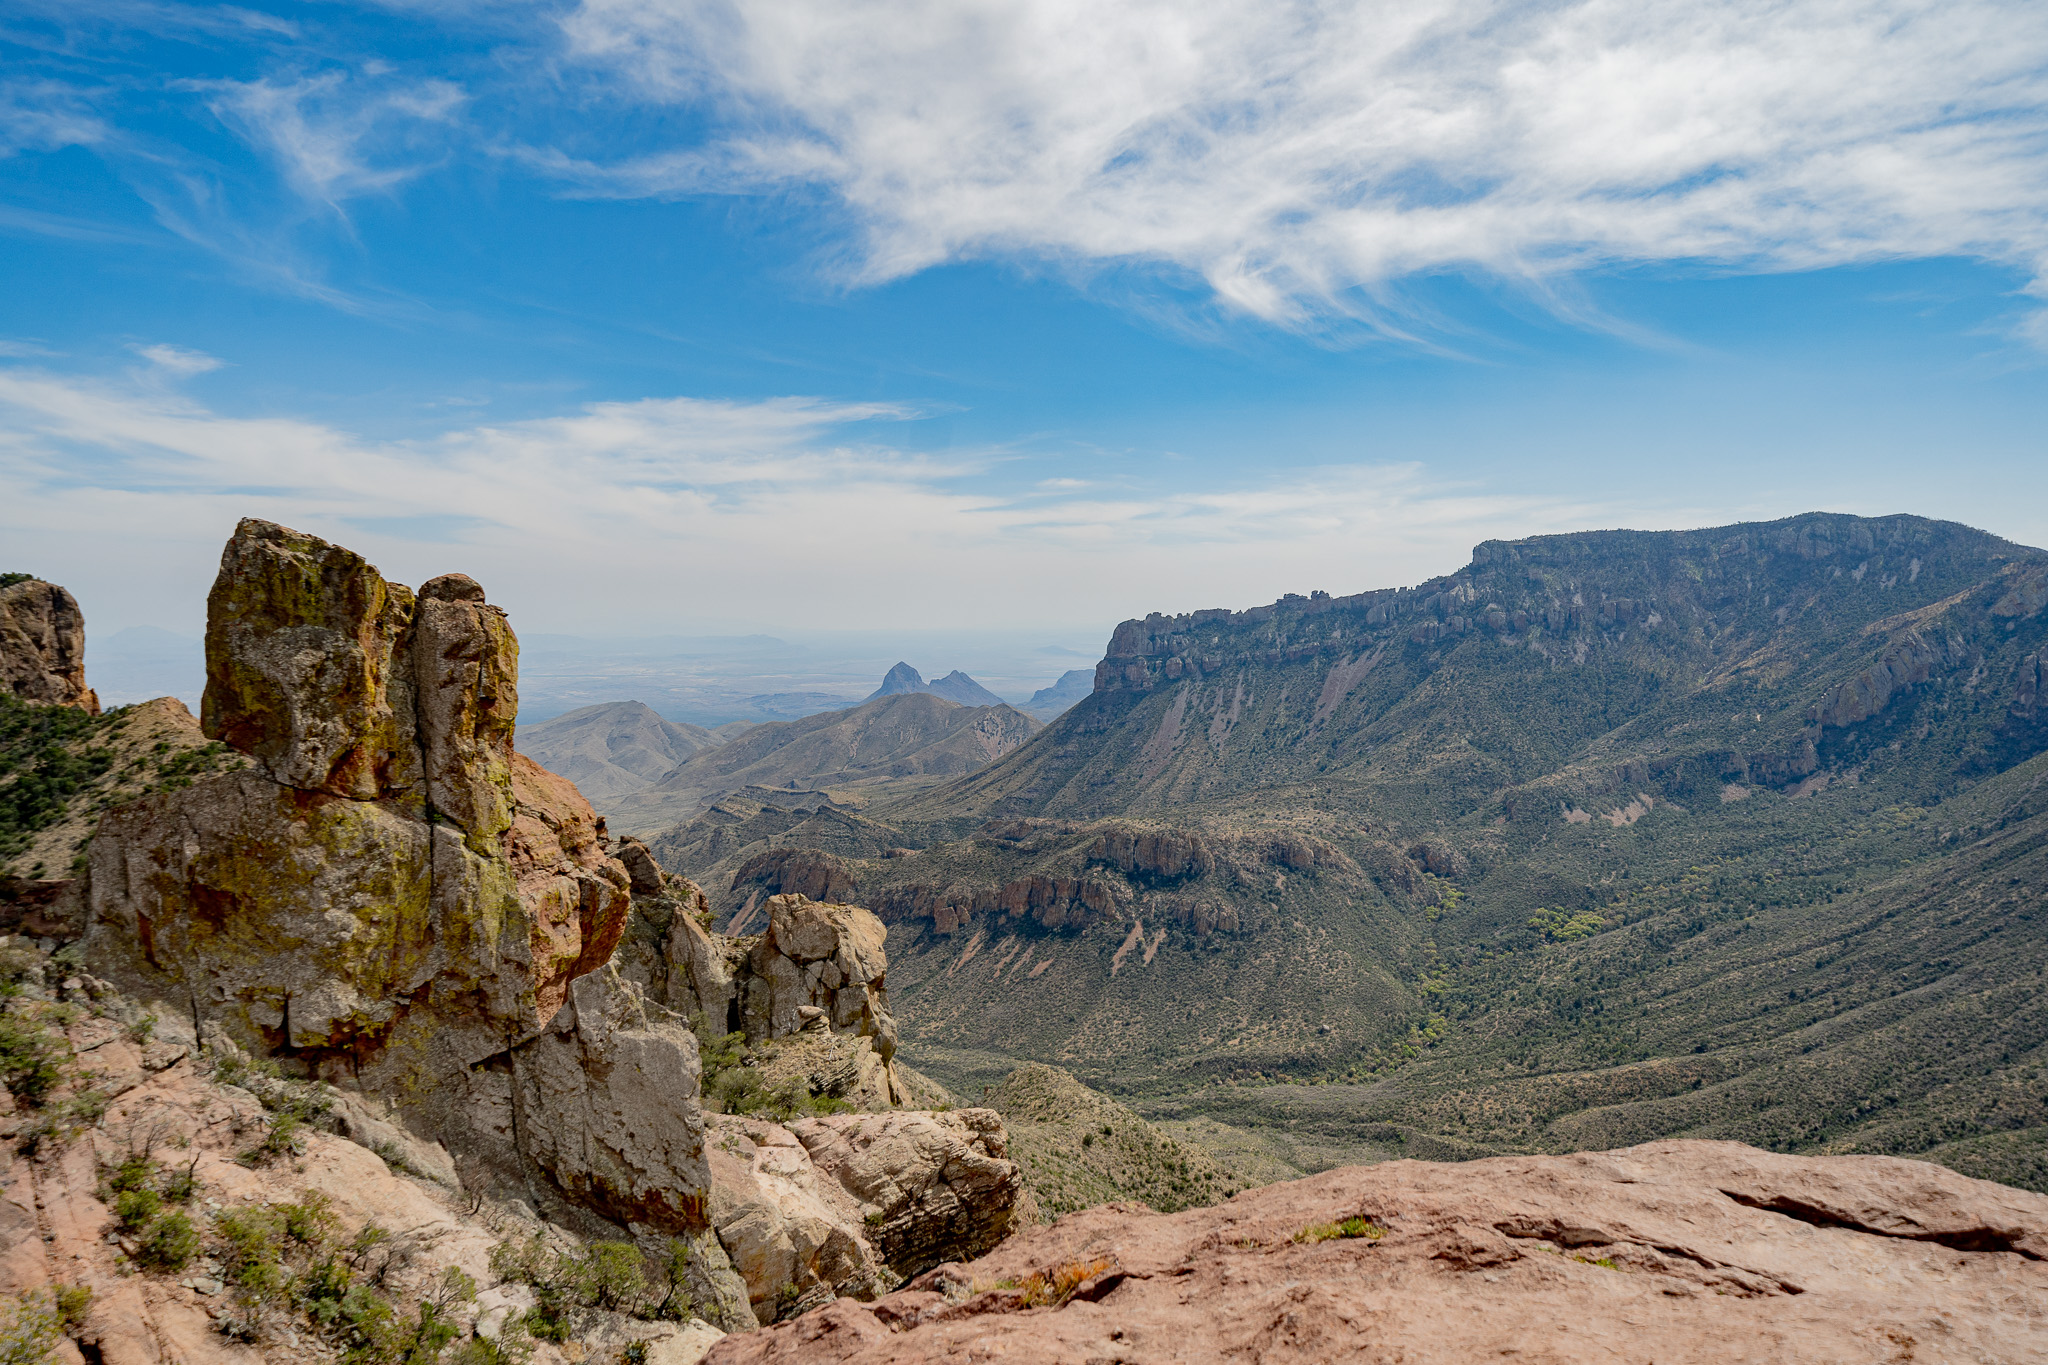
(169, 1244)
(1348, 1227)
(137, 1208)
(32, 1057)
(29, 1327)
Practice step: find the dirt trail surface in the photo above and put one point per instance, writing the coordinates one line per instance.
(1670, 1252)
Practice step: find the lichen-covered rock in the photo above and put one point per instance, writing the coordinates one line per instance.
(395, 895)
(307, 667)
(465, 663)
(42, 646)
(606, 1102)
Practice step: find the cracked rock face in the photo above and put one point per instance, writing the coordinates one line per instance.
(823, 956)
(393, 894)
(606, 1102)
(850, 1204)
(42, 646)
(1676, 1252)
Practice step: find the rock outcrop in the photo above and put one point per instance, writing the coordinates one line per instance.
(1675, 1251)
(392, 900)
(396, 901)
(824, 956)
(195, 1135)
(853, 1204)
(605, 1100)
(929, 1187)
(392, 892)
(42, 646)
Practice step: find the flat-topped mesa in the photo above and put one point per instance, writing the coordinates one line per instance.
(42, 646)
(1646, 578)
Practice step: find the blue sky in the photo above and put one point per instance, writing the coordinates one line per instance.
(667, 316)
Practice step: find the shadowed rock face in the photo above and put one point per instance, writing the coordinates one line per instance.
(42, 646)
(1674, 1251)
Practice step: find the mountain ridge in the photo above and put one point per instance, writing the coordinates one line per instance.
(955, 687)
(904, 738)
(1321, 840)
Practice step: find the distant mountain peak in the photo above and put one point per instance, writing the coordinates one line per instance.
(955, 687)
(901, 678)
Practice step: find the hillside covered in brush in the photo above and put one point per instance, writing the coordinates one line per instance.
(1731, 832)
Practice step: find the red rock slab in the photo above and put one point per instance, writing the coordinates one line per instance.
(1664, 1254)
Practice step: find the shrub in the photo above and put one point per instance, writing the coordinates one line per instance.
(28, 1329)
(137, 1208)
(169, 1244)
(676, 1305)
(613, 1277)
(280, 1139)
(1349, 1227)
(32, 1058)
(73, 1303)
(179, 1185)
(136, 1172)
(311, 1221)
(253, 1252)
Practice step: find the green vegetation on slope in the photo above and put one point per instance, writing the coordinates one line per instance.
(1079, 1149)
(1724, 833)
(59, 768)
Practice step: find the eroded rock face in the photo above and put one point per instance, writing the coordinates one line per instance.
(42, 646)
(781, 1224)
(854, 1203)
(931, 1187)
(1700, 1251)
(307, 665)
(606, 1101)
(394, 894)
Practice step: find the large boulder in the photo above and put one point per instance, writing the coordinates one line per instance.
(42, 646)
(931, 1187)
(823, 956)
(792, 1235)
(851, 1204)
(606, 1097)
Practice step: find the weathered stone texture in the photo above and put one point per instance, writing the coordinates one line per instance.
(1688, 1253)
(396, 895)
(42, 646)
(306, 665)
(827, 956)
(606, 1100)
(931, 1187)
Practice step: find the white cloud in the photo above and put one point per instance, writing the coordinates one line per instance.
(43, 115)
(177, 361)
(683, 511)
(333, 138)
(1300, 157)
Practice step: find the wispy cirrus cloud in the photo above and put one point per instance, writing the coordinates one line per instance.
(1302, 158)
(335, 135)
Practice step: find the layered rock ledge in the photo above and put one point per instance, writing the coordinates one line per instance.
(1671, 1252)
